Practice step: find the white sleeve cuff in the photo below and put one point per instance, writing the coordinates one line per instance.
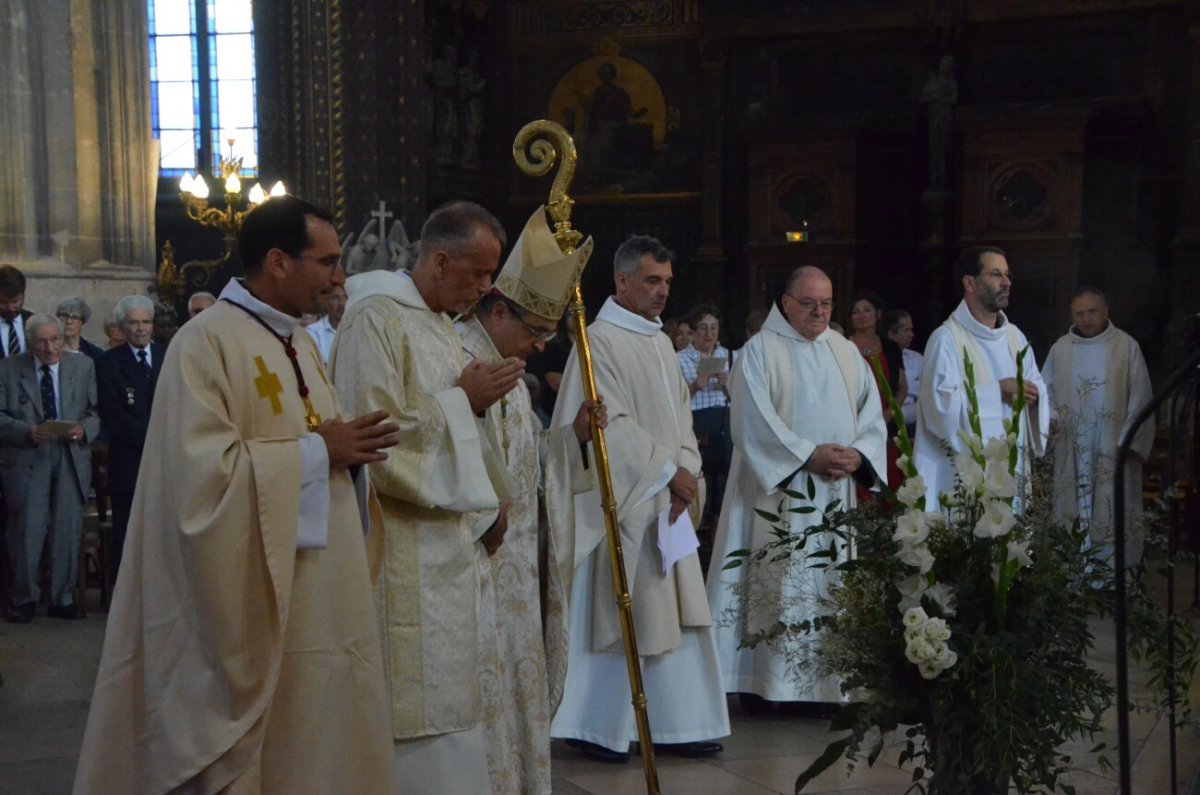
(660, 482)
(313, 532)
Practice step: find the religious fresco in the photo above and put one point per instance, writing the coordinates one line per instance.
(628, 133)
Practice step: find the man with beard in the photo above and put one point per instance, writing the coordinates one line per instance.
(979, 327)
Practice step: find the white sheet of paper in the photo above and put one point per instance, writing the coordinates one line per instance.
(711, 365)
(675, 541)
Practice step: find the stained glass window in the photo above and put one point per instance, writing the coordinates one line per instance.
(202, 85)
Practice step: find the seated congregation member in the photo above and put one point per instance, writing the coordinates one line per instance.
(126, 377)
(866, 314)
(805, 409)
(74, 313)
(48, 419)
(242, 653)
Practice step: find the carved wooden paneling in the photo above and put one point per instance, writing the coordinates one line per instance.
(536, 20)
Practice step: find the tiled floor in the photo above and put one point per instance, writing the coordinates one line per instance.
(48, 667)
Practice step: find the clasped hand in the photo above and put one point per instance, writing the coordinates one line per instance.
(834, 462)
(487, 382)
(1008, 391)
(358, 441)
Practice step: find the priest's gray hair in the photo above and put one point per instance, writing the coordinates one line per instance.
(35, 322)
(452, 225)
(1087, 289)
(629, 254)
(131, 302)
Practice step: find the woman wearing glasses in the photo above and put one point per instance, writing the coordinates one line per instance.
(74, 313)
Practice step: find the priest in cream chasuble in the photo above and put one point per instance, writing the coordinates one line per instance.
(440, 489)
(1097, 382)
(241, 653)
(800, 393)
(523, 631)
(654, 460)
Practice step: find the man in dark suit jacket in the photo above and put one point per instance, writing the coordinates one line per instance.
(126, 376)
(12, 334)
(46, 470)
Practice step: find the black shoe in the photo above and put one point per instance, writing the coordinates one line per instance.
(68, 612)
(20, 614)
(754, 705)
(599, 753)
(697, 750)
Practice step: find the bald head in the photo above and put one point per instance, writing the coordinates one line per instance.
(808, 301)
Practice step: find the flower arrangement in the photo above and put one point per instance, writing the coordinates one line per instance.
(966, 625)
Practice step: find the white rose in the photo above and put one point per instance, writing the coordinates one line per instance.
(996, 521)
(936, 629)
(940, 651)
(912, 633)
(929, 670)
(913, 585)
(969, 471)
(915, 617)
(925, 649)
(911, 528)
(951, 659)
(910, 653)
(912, 490)
(998, 482)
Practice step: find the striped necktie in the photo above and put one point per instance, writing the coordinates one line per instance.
(14, 344)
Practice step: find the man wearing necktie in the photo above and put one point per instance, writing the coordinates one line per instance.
(126, 376)
(12, 339)
(48, 417)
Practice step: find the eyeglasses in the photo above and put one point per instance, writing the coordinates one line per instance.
(811, 306)
(65, 316)
(538, 334)
(331, 262)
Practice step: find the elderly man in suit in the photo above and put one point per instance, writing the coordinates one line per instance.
(125, 377)
(47, 419)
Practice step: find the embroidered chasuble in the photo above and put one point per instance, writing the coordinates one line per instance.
(523, 619)
(234, 661)
(393, 353)
(649, 435)
(942, 406)
(1097, 385)
(788, 395)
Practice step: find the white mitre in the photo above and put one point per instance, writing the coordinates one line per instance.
(537, 276)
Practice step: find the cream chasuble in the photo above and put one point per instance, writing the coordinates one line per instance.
(649, 434)
(523, 620)
(232, 660)
(1097, 385)
(393, 353)
(942, 406)
(789, 394)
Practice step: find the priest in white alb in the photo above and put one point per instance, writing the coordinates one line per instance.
(241, 653)
(396, 351)
(978, 327)
(655, 463)
(805, 410)
(523, 627)
(1097, 382)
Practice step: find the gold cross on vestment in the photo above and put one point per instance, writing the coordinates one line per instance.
(268, 385)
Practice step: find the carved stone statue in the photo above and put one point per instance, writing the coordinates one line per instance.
(939, 95)
(446, 126)
(370, 252)
(470, 93)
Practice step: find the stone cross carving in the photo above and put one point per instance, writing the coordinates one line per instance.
(382, 214)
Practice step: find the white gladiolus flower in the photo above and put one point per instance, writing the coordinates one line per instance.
(1019, 551)
(970, 442)
(996, 521)
(915, 617)
(914, 585)
(902, 463)
(996, 449)
(918, 556)
(997, 482)
(911, 528)
(944, 595)
(969, 471)
(907, 602)
(912, 490)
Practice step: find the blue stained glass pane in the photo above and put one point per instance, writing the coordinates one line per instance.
(245, 146)
(172, 16)
(174, 58)
(231, 16)
(235, 57)
(236, 103)
(176, 106)
(178, 149)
